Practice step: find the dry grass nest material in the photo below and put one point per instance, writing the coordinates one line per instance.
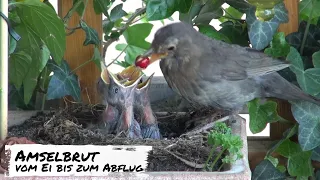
(181, 149)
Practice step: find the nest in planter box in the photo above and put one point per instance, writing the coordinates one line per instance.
(183, 146)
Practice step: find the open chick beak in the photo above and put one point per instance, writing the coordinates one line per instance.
(152, 55)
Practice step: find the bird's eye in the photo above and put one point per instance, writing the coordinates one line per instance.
(171, 48)
(115, 90)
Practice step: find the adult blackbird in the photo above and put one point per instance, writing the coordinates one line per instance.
(217, 74)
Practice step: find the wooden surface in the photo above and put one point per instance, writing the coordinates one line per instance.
(284, 108)
(76, 54)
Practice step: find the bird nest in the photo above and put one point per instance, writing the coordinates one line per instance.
(183, 147)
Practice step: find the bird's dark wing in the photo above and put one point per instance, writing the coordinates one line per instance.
(233, 62)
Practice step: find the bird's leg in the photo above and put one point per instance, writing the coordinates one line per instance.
(142, 107)
(233, 114)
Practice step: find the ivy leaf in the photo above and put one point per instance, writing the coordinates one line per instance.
(273, 160)
(162, 9)
(131, 52)
(299, 164)
(235, 33)
(316, 154)
(307, 79)
(92, 36)
(101, 6)
(288, 148)
(212, 33)
(211, 10)
(305, 7)
(266, 170)
(261, 114)
(96, 58)
(240, 5)
(80, 9)
(107, 26)
(63, 82)
(286, 135)
(278, 46)
(46, 24)
(19, 63)
(117, 12)
(316, 59)
(193, 12)
(307, 115)
(231, 13)
(143, 30)
(12, 45)
(312, 43)
(261, 33)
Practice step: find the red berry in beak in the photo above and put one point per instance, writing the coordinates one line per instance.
(142, 62)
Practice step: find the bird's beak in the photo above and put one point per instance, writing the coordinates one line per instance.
(154, 56)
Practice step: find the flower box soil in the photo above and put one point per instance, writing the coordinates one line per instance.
(80, 125)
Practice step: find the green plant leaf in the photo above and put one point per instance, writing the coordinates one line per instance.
(316, 59)
(308, 79)
(288, 148)
(32, 44)
(101, 6)
(299, 164)
(96, 58)
(143, 30)
(117, 12)
(80, 9)
(281, 168)
(131, 52)
(46, 24)
(107, 26)
(49, 4)
(63, 82)
(12, 45)
(261, 114)
(273, 160)
(232, 13)
(14, 18)
(240, 5)
(316, 154)
(193, 12)
(261, 33)
(312, 43)
(162, 9)
(235, 33)
(212, 33)
(16, 99)
(265, 171)
(286, 135)
(92, 36)
(278, 46)
(305, 7)
(211, 10)
(307, 115)
(19, 63)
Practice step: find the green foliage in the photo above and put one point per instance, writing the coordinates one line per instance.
(262, 114)
(92, 36)
(44, 36)
(63, 82)
(261, 32)
(162, 9)
(221, 136)
(266, 170)
(278, 46)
